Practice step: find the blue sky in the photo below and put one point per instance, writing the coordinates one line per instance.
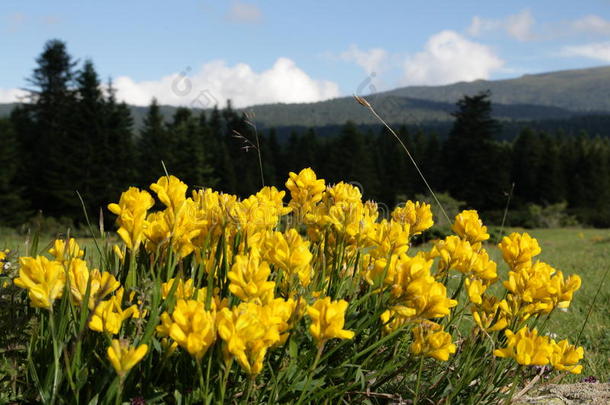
(198, 52)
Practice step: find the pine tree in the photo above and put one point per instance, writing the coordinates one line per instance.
(475, 168)
(51, 166)
(90, 141)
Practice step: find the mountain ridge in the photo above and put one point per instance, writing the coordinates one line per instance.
(540, 96)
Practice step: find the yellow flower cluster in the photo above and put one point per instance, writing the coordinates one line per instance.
(47, 279)
(124, 357)
(131, 211)
(415, 214)
(534, 287)
(526, 347)
(190, 326)
(429, 339)
(249, 330)
(305, 191)
(44, 279)
(328, 320)
(242, 276)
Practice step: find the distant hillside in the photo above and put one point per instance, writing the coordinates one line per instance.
(582, 90)
(548, 96)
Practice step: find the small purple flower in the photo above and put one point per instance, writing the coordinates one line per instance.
(590, 379)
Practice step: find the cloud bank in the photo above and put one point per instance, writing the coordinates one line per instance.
(217, 82)
(518, 26)
(598, 51)
(372, 60)
(447, 58)
(11, 95)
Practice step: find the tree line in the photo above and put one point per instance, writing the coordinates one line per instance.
(72, 135)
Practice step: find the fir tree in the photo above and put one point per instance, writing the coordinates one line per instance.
(474, 164)
(52, 166)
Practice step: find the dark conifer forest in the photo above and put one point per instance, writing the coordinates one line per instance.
(72, 137)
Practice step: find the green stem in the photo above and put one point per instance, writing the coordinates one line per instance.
(118, 400)
(201, 383)
(419, 372)
(55, 357)
(311, 371)
(251, 380)
(225, 379)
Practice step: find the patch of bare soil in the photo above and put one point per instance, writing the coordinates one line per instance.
(568, 394)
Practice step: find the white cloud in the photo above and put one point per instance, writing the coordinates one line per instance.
(480, 25)
(244, 13)
(518, 26)
(11, 95)
(216, 82)
(592, 24)
(599, 51)
(448, 58)
(372, 61)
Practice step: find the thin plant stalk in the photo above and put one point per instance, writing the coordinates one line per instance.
(366, 104)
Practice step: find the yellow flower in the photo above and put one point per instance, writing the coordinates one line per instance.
(290, 253)
(417, 215)
(212, 209)
(108, 315)
(3, 255)
(249, 276)
(475, 289)
(346, 219)
(280, 311)
(327, 320)
(191, 326)
(377, 271)
(389, 238)
(102, 283)
(469, 226)
(120, 253)
(248, 331)
(527, 348)
(273, 199)
(343, 193)
(63, 253)
(123, 357)
(489, 315)
(539, 288)
(184, 291)
(518, 249)
(429, 339)
(177, 229)
(44, 280)
(566, 356)
(454, 253)
(305, 191)
(131, 211)
(416, 290)
(258, 212)
(170, 191)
